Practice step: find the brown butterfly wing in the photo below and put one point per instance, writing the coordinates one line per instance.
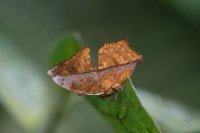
(113, 78)
(103, 82)
(116, 53)
(84, 83)
(77, 74)
(78, 63)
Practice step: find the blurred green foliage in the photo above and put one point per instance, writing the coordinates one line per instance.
(23, 90)
(166, 33)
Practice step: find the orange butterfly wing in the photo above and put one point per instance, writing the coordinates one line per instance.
(78, 63)
(75, 74)
(116, 53)
(116, 62)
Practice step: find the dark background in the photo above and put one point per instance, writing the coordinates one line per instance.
(166, 33)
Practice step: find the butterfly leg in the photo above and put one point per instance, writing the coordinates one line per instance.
(121, 89)
(103, 96)
(109, 93)
(115, 97)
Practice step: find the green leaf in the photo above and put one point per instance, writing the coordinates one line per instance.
(126, 115)
(65, 47)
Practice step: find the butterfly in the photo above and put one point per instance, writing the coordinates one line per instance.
(116, 62)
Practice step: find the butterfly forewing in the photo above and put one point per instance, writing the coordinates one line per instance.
(117, 53)
(78, 63)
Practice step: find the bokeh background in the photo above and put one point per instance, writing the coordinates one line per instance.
(166, 33)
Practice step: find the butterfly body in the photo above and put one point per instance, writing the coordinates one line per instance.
(77, 74)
